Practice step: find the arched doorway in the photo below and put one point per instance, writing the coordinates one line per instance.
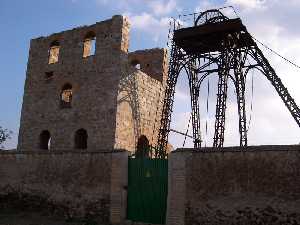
(81, 137)
(143, 147)
(45, 140)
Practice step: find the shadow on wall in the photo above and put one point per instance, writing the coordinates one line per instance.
(129, 87)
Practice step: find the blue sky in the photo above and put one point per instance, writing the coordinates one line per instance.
(22, 20)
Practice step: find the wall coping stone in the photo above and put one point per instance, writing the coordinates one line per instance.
(49, 152)
(258, 148)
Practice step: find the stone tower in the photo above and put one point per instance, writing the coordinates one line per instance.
(83, 90)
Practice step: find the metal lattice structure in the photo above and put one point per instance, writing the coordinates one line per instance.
(225, 43)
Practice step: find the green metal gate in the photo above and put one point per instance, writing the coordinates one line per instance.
(147, 190)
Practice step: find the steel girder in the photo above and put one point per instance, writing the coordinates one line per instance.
(194, 92)
(271, 75)
(173, 72)
(223, 74)
(240, 93)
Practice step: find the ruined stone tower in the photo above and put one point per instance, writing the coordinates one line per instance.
(83, 90)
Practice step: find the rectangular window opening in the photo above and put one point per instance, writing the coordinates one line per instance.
(89, 47)
(49, 75)
(53, 54)
(93, 46)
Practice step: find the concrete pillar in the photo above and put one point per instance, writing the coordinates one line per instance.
(119, 182)
(176, 188)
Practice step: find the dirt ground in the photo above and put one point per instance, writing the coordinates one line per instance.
(9, 217)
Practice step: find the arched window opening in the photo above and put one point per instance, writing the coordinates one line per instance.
(143, 147)
(54, 52)
(89, 44)
(45, 140)
(66, 96)
(81, 139)
(136, 64)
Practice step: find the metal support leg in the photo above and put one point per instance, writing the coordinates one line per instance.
(194, 92)
(221, 101)
(240, 92)
(168, 103)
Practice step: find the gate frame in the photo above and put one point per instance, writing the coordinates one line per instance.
(153, 167)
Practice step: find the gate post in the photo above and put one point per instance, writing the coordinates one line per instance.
(119, 181)
(176, 188)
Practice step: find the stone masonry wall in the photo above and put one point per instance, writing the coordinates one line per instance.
(258, 185)
(112, 100)
(151, 96)
(67, 184)
(140, 98)
(94, 81)
(153, 62)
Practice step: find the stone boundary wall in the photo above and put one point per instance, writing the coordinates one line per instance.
(70, 184)
(258, 185)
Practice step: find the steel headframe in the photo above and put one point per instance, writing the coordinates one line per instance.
(230, 48)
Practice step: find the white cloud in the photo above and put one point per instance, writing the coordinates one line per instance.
(147, 23)
(247, 4)
(162, 8)
(154, 7)
(125, 5)
(205, 5)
